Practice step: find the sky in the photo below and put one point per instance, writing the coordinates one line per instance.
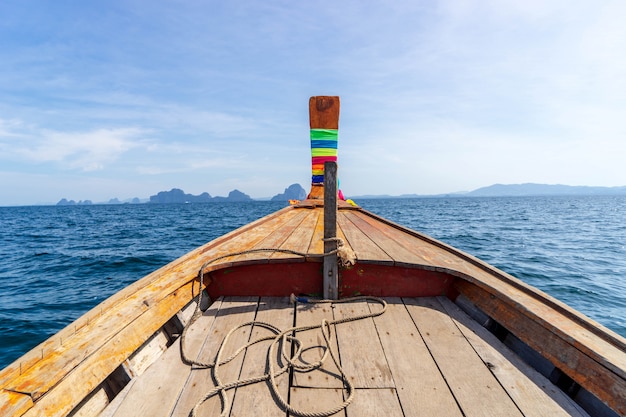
(121, 99)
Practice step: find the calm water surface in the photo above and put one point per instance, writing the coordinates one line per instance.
(58, 262)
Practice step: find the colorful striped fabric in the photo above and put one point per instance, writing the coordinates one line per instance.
(323, 148)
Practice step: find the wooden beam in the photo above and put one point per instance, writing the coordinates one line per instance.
(331, 281)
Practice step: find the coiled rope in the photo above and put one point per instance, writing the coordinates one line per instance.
(292, 361)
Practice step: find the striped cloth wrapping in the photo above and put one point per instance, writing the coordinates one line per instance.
(323, 148)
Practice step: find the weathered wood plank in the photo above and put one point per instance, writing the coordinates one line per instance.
(153, 395)
(378, 234)
(419, 383)
(423, 252)
(152, 349)
(256, 399)
(274, 239)
(248, 240)
(14, 403)
(317, 238)
(93, 405)
(300, 239)
(476, 390)
(328, 375)
(364, 248)
(362, 357)
(377, 403)
(62, 352)
(561, 350)
(317, 399)
(38, 379)
(91, 371)
(533, 393)
(233, 312)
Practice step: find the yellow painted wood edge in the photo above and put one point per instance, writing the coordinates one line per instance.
(81, 380)
(14, 403)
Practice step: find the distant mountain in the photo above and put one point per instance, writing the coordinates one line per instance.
(293, 192)
(530, 189)
(65, 202)
(234, 196)
(178, 196)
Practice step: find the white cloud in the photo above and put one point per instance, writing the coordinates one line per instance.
(87, 151)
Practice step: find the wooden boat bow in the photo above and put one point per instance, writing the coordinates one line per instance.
(97, 361)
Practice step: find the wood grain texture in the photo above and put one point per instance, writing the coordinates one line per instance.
(559, 348)
(533, 393)
(363, 246)
(152, 394)
(233, 312)
(324, 112)
(256, 399)
(362, 356)
(476, 390)
(328, 375)
(330, 269)
(90, 372)
(421, 387)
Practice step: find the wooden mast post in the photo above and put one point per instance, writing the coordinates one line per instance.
(324, 122)
(331, 273)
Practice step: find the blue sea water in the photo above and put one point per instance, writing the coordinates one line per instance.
(56, 263)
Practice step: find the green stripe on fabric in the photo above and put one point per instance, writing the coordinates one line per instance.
(324, 134)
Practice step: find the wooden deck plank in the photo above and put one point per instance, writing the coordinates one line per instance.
(256, 399)
(250, 239)
(233, 312)
(300, 239)
(398, 252)
(476, 390)
(328, 375)
(276, 238)
(424, 252)
(533, 393)
(420, 385)
(362, 356)
(361, 244)
(317, 239)
(377, 403)
(317, 399)
(153, 395)
(418, 341)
